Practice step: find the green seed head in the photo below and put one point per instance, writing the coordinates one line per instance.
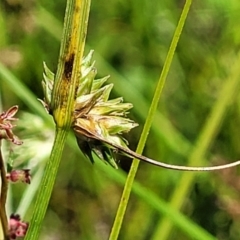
(96, 117)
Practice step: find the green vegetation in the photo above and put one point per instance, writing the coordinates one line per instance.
(196, 122)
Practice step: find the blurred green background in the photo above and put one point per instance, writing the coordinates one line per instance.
(131, 39)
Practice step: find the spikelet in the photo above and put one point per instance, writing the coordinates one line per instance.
(97, 119)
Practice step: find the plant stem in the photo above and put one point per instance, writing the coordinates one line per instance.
(227, 95)
(46, 185)
(146, 195)
(63, 100)
(129, 182)
(3, 197)
(71, 53)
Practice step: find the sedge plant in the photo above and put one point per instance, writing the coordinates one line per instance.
(80, 102)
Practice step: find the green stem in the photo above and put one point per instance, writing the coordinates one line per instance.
(62, 102)
(129, 182)
(149, 197)
(228, 93)
(46, 185)
(3, 197)
(69, 65)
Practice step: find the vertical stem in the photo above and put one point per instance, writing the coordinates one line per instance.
(69, 63)
(62, 102)
(228, 93)
(3, 197)
(129, 182)
(46, 186)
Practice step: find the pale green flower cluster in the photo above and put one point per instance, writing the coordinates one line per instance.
(97, 119)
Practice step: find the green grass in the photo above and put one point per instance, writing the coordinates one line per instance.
(196, 123)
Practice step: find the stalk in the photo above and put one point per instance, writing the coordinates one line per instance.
(227, 95)
(3, 198)
(129, 182)
(62, 101)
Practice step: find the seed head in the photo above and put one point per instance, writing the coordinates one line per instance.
(96, 118)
